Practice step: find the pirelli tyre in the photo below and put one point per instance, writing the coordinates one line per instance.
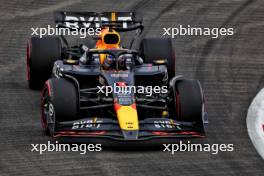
(58, 103)
(157, 49)
(41, 54)
(189, 102)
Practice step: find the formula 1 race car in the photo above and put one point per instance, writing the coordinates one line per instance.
(102, 89)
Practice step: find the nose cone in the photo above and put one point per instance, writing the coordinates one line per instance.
(128, 120)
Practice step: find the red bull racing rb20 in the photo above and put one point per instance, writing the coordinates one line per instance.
(101, 89)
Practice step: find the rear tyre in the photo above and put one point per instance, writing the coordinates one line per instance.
(189, 102)
(41, 55)
(58, 103)
(155, 49)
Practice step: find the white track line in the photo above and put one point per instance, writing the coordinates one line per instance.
(255, 122)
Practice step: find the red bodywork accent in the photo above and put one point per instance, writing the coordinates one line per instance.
(160, 133)
(192, 133)
(46, 87)
(134, 106)
(121, 84)
(117, 106)
(77, 133)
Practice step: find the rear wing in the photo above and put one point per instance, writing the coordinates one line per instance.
(120, 21)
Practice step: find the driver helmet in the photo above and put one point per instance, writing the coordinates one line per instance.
(109, 39)
(109, 61)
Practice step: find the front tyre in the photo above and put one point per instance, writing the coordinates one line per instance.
(58, 103)
(189, 102)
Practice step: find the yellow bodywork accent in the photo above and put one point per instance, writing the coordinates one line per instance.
(71, 61)
(113, 16)
(127, 118)
(165, 113)
(160, 61)
(94, 119)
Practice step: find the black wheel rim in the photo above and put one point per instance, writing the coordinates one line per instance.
(48, 113)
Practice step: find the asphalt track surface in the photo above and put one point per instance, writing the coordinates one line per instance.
(229, 68)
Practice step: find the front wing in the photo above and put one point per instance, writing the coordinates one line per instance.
(149, 128)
